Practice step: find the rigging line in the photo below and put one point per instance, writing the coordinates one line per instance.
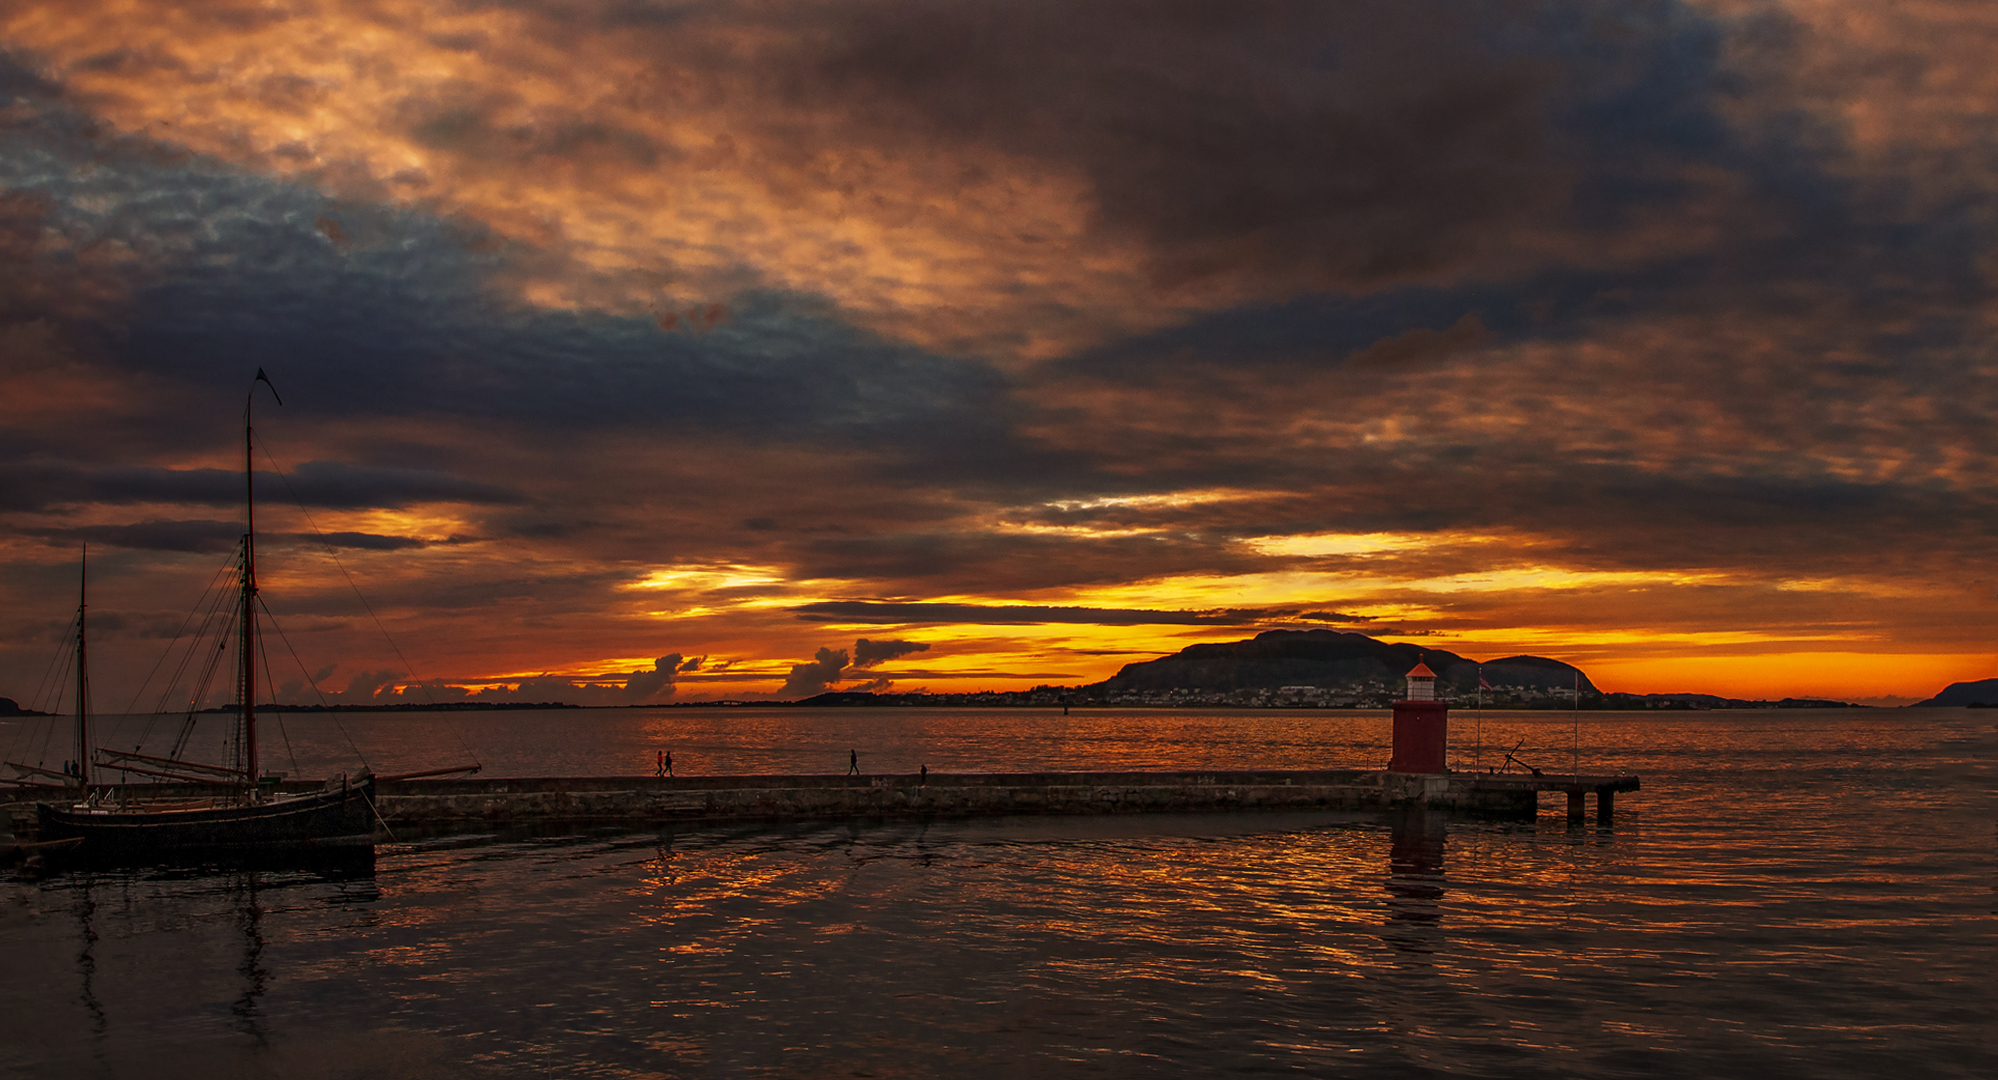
(200, 691)
(263, 649)
(212, 659)
(64, 647)
(210, 598)
(35, 703)
(48, 729)
(133, 706)
(194, 648)
(314, 683)
(370, 608)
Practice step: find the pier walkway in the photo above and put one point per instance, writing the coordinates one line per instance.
(517, 800)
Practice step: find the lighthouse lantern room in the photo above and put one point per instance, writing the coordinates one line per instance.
(1421, 683)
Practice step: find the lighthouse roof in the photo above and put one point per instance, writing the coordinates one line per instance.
(1421, 672)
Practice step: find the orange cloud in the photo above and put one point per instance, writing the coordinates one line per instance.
(1017, 179)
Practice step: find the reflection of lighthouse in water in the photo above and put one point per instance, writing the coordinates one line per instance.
(1415, 884)
(1415, 853)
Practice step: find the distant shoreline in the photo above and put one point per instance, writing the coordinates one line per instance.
(1004, 700)
(1016, 700)
(411, 706)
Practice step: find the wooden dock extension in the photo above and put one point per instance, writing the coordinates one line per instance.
(1525, 790)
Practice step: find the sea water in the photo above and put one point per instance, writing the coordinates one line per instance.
(1792, 893)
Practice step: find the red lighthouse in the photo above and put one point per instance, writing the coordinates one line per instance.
(1421, 727)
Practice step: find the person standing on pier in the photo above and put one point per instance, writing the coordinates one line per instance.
(659, 763)
(853, 763)
(669, 763)
(925, 779)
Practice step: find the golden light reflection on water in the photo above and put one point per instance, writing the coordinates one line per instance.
(1702, 923)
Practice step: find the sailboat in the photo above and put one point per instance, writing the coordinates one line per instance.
(250, 818)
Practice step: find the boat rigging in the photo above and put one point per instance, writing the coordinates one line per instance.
(252, 815)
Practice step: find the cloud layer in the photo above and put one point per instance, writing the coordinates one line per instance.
(1026, 337)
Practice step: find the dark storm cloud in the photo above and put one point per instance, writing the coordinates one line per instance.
(369, 685)
(815, 675)
(200, 536)
(192, 536)
(34, 486)
(360, 541)
(402, 321)
(1262, 138)
(641, 685)
(336, 485)
(1335, 145)
(434, 345)
(868, 653)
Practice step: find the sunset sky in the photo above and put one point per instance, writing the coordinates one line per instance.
(639, 350)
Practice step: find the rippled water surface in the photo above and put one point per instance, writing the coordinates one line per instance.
(1792, 894)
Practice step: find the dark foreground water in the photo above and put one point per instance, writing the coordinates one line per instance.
(1800, 894)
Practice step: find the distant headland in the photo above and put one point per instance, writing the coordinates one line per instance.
(1982, 694)
(1326, 669)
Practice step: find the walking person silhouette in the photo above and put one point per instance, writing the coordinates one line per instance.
(853, 763)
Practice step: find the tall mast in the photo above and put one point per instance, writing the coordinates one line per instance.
(82, 676)
(246, 679)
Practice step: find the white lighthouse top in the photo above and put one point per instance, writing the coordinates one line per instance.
(1421, 683)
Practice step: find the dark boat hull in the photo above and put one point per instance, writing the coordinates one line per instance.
(342, 818)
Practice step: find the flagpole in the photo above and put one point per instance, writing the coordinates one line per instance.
(1577, 767)
(1478, 747)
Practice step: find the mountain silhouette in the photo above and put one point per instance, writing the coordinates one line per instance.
(1332, 659)
(1981, 692)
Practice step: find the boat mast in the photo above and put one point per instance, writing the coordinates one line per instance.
(247, 677)
(82, 676)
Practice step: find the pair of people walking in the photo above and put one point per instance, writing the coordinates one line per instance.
(663, 765)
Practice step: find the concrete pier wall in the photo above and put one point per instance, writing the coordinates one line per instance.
(737, 798)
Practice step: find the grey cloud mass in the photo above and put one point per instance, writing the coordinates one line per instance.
(868, 653)
(816, 675)
(1013, 302)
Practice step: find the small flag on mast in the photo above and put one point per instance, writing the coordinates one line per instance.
(266, 380)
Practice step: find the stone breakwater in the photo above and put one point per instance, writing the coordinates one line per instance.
(523, 801)
(446, 805)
